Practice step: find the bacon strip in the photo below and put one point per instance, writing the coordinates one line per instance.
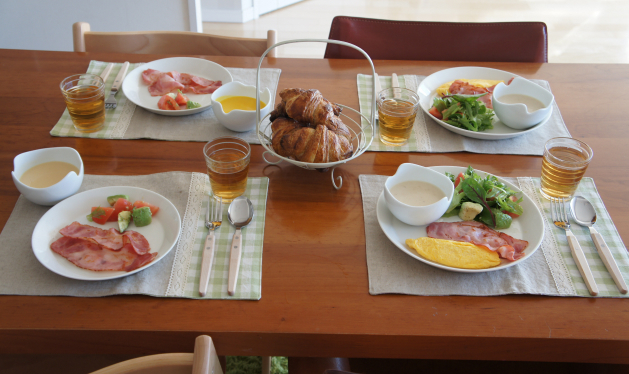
(478, 233)
(89, 255)
(110, 239)
(459, 87)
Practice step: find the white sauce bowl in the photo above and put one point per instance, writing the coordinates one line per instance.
(517, 116)
(240, 120)
(418, 215)
(48, 196)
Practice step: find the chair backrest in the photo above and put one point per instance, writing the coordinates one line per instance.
(169, 42)
(439, 41)
(203, 361)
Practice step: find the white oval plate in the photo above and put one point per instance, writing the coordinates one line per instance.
(137, 91)
(428, 86)
(162, 233)
(529, 226)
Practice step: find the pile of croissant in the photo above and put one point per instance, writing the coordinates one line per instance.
(307, 127)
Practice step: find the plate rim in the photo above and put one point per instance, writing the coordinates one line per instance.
(115, 274)
(474, 134)
(380, 202)
(174, 113)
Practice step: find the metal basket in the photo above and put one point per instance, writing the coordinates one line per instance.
(362, 135)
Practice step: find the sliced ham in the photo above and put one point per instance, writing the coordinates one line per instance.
(480, 234)
(89, 255)
(163, 83)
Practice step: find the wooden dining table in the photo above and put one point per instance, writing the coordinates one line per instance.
(315, 295)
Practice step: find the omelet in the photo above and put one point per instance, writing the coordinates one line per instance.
(455, 254)
(484, 83)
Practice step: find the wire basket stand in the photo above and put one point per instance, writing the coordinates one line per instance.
(362, 135)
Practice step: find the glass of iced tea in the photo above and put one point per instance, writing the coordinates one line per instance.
(564, 163)
(227, 160)
(397, 108)
(85, 98)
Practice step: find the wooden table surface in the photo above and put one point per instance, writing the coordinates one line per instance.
(315, 299)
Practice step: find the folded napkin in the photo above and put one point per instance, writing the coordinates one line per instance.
(129, 122)
(428, 136)
(176, 275)
(549, 271)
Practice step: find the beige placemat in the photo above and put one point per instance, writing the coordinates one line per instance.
(428, 136)
(176, 275)
(549, 271)
(128, 121)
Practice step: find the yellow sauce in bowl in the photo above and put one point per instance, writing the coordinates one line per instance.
(230, 103)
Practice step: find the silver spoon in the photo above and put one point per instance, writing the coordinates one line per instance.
(240, 213)
(584, 214)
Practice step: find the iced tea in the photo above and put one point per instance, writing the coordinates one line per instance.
(564, 164)
(227, 161)
(84, 95)
(397, 109)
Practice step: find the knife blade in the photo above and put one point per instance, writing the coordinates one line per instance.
(105, 73)
(120, 77)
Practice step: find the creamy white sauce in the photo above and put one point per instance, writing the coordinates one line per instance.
(416, 193)
(46, 174)
(532, 104)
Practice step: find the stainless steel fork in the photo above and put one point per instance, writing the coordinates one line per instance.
(559, 215)
(213, 220)
(111, 102)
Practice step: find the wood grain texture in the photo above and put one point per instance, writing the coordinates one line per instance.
(315, 288)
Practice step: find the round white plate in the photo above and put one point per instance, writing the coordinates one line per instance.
(529, 226)
(137, 91)
(428, 86)
(161, 234)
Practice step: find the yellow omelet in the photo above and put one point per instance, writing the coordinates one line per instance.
(455, 254)
(443, 89)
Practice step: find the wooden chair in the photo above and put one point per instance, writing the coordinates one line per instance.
(203, 361)
(169, 42)
(439, 41)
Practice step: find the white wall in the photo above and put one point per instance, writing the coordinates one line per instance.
(47, 24)
(239, 11)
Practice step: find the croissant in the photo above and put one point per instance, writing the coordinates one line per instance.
(304, 143)
(306, 127)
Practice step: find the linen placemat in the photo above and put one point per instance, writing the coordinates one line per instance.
(175, 275)
(549, 271)
(129, 122)
(428, 136)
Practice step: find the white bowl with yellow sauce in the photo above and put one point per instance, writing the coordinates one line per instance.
(48, 175)
(417, 195)
(234, 105)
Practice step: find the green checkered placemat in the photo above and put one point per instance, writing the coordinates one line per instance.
(113, 123)
(558, 253)
(187, 268)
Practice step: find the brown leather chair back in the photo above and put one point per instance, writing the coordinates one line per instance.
(439, 41)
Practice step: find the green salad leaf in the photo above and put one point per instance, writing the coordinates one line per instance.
(499, 201)
(465, 111)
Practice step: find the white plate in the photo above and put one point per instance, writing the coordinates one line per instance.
(428, 86)
(161, 234)
(529, 226)
(137, 91)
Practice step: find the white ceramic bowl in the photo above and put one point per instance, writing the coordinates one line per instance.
(418, 215)
(517, 116)
(68, 186)
(240, 120)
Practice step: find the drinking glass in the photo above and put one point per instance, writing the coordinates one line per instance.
(397, 109)
(227, 161)
(564, 163)
(84, 95)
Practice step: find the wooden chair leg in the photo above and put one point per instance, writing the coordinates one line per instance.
(266, 364)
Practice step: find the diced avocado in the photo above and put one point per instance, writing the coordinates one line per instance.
(191, 104)
(469, 210)
(124, 218)
(112, 199)
(142, 216)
